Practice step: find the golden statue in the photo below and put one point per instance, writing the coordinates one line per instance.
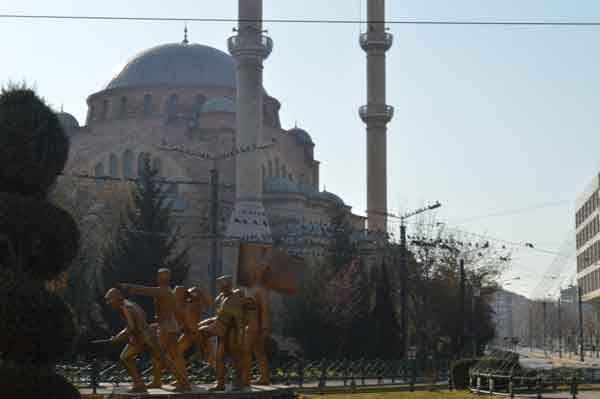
(257, 315)
(228, 326)
(139, 337)
(191, 303)
(165, 307)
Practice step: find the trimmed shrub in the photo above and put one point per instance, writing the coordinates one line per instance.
(38, 241)
(46, 236)
(33, 146)
(25, 382)
(460, 372)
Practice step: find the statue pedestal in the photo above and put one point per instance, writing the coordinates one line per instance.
(202, 392)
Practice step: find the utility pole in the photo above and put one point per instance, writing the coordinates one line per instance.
(559, 331)
(544, 326)
(214, 231)
(461, 296)
(581, 354)
(404, 271)
(530, 328)
(404, 288)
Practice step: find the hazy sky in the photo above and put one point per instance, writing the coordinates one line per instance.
(488, 119)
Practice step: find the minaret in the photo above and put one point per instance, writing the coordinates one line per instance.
(376, 114)
(250, 47)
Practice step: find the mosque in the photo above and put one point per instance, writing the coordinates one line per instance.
(196, 97)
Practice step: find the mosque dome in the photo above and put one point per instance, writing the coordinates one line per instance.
(67, 120)
(331, 197)
(302, 136)
(177, 64)
(218, 104)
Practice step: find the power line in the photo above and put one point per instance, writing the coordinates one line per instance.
(516, 211)
(306, 21)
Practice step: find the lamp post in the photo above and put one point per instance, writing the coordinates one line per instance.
(404, 271)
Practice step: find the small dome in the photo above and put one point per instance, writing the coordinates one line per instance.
(280, 185)
(218, 104)
(67, 120)
(302, 136)
(177, 64)
(331, 197)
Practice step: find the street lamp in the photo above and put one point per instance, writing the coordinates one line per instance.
(404, 269)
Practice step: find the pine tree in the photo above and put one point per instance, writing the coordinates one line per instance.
(145, 241)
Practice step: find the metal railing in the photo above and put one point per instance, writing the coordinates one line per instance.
(532, 384)
(317, 375)
(377, 40)
(383, 112)
(263, 45)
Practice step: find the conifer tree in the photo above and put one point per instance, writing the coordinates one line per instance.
(145, 241)
(38, 241)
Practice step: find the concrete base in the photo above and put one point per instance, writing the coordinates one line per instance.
(202, 392)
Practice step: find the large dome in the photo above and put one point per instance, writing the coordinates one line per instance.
(177, 64)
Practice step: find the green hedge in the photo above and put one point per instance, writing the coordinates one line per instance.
(460, 372)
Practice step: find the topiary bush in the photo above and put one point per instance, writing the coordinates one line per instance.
(460, 372)
(38, 241)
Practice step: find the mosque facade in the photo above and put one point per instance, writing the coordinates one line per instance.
(183, 95)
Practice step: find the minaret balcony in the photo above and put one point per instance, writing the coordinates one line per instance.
(376, 41)
(376, 113)
(260, 45)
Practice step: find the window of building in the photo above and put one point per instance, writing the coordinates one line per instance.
(270, 166)
(284, 171)
(128, 164)
(104, 112)
(123, 107)
(172, 107)
(99, 172)
(113, 166)
(143, 162)
(277, 167)
(157, 166)
(264, 172)
(147, 104)
(91, 113)
(291, 177)
(198, 103)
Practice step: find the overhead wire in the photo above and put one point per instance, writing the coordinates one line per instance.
(546, 23)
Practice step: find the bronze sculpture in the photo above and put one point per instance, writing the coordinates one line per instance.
(191, 303)
(165, 307)
(227, 326)
(139, 337)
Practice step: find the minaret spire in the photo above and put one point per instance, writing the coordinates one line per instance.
(376, 114)
(185, 35)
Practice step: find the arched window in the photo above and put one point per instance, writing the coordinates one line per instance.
(123, 107)
(284, 171)
(277, 167)
(143, 162)
(91, 113)
(264, 172)
(147, 104)
(99, 172)
(270, 164)
(113, 166)
(128, 164)
(198, 103)
(172, 107)
(157, 166)
(104, 111)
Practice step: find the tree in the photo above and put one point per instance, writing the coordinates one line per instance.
(145, 241)
(384, 323)
(38, 240)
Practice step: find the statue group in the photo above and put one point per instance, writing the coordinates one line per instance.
(240, 327)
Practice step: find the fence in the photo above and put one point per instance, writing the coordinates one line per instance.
(320, 375)
(534, 383)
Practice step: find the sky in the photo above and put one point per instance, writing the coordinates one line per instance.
(488, 119)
